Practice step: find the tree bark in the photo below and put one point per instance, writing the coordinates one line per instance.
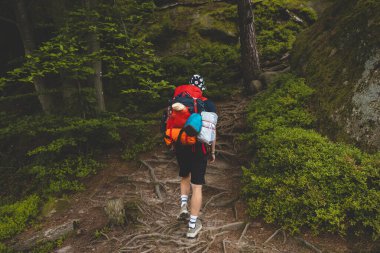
(94, 47)
(249, 54)
(70, 96)
(26, 33)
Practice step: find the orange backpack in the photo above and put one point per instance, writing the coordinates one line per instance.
(191, 98)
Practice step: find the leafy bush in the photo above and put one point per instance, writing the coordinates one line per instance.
(4, 248)
(53, 153)
(48, 246)
(282, 104)
(218, 63)
(300, 178)
(14, 217)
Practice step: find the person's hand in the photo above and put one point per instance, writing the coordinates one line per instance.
(212, 157)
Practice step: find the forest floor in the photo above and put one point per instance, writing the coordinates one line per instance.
(150, 187)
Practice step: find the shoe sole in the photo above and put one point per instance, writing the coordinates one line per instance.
(195, 233)
(183, 216)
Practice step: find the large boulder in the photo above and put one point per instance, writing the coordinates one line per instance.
(340, 57)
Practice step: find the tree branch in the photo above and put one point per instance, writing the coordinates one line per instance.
(173, 5)
(8, 20)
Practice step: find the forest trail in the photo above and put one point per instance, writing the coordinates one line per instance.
(152, 207)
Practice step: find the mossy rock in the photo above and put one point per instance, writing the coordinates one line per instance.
(339, 57)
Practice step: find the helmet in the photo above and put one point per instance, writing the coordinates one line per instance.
(198, 81)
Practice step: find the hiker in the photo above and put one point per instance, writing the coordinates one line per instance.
(192, 161)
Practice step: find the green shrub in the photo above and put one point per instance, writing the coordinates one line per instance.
(48, 246)
(301, 179)
(53, 153)
(14, 217)
(4, 248)
(282, 104)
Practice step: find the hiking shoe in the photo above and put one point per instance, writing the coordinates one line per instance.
(192, 232)
(184, 213)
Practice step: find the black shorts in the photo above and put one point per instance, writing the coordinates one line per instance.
(192, 159)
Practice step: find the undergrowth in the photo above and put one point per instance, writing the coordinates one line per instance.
(300, 179)
(218, 63)
(14, 217)
(44, 156)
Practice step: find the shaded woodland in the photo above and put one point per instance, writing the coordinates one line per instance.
(84, 80)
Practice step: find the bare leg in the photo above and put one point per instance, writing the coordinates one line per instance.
(185, 185)
(196, 199)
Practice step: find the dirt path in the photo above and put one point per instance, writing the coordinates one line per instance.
(153, 207)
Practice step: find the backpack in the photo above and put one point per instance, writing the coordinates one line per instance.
(187, 100)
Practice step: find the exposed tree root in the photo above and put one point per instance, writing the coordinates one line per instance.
(226, 203)
(243, 233)
(272, 236)
(154, 179)
(308, 244)
(228, 227)
(211, 199)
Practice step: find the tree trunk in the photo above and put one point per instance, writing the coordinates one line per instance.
(249, 54)
(94, 46)
(70, 96)
(26, 33)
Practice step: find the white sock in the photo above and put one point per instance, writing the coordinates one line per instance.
(184, 199)
(193, 220)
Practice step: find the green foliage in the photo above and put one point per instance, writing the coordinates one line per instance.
(216, 62)
(54, 153)
(128, 62)
(14, 217)
(226, 14)
(301, 179)
(5, 249)
(49, 246)
(282, 104)
(277, 24)
(100, 233)
(143, 145)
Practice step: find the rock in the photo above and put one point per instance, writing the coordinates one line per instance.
(256, 86)
(53, 211)
(51, 234)
(268, 77)
(115, 211)
(341, 62)
(257, 224)
(67, 249)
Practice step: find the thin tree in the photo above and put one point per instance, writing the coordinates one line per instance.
(94, 47)
(249, 54)
(26, 32)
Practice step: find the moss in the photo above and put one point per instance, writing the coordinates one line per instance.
(332, 55)
(276, 26)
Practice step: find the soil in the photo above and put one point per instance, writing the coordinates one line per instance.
(152, 225)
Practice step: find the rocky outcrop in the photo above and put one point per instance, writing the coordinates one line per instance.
(340, 57)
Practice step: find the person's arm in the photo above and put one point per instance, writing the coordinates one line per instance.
(213, 150)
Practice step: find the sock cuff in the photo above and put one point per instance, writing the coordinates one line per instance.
(193, 218)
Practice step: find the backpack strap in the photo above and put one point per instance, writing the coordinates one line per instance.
(204, 149)
(195, 105)
(179, 136)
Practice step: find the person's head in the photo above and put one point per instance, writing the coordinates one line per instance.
(198, 81)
